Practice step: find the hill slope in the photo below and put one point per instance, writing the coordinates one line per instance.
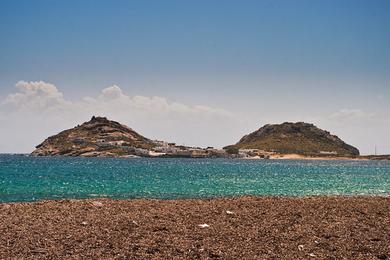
(295, 138)
(98, 137)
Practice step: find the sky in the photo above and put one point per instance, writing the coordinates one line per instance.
(200, 73)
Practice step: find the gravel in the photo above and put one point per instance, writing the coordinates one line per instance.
(258, 228)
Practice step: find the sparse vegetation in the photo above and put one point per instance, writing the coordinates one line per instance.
(296, 138)
(231, 149)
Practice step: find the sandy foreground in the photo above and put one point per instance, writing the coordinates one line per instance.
(236, 228)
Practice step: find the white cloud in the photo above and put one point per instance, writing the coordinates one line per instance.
(351, 114)
(43, 97)
(36, 95)
(113, 99)
(113, 92)
(39, 109)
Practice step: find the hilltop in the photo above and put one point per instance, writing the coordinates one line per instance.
(99, 136)
(295, 138)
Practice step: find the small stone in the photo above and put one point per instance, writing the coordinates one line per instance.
(312, 255)
(300, 247)
(229, 212)
(203, 226)
(97, 204)
(84, 223)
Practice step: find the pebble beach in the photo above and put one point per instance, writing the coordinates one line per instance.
(228, 228)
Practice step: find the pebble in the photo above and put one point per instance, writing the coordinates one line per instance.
(97, 204)
(229, 212)
(312, 255)
(84, 223)
(300, 247)
(203, 226)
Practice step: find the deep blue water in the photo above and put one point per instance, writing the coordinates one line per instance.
(24, 178)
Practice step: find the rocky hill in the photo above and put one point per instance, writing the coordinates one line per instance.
(101, 137)
(98, 137)
(295, 138)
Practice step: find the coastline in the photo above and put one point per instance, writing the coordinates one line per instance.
(324, 158)
(242, 227)
(269, 155)
(276, 156)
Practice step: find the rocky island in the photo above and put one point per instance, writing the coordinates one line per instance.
(101, 137)
(293, 138)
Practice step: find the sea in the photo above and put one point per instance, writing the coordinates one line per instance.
(27, 178)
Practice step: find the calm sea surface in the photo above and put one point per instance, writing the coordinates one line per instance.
(24, 178)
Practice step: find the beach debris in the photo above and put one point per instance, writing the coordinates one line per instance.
(312, 255)
(300, 247)
(84, 223)
(97, 204)
(316, 241)
(229, 212)
(134, 222)
(203, 226)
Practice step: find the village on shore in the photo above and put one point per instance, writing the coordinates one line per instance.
(101, 137)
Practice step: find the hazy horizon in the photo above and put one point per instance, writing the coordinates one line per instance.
(201, 73)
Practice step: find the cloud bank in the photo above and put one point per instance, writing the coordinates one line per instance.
(39, 96)
(39, 109)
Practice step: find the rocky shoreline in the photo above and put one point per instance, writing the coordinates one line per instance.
(229, 228)
(101, 137)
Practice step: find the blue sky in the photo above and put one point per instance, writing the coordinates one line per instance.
(327, 62)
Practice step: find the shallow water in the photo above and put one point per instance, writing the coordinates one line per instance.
(24, 178)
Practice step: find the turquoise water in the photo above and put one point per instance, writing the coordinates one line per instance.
(24, 178)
